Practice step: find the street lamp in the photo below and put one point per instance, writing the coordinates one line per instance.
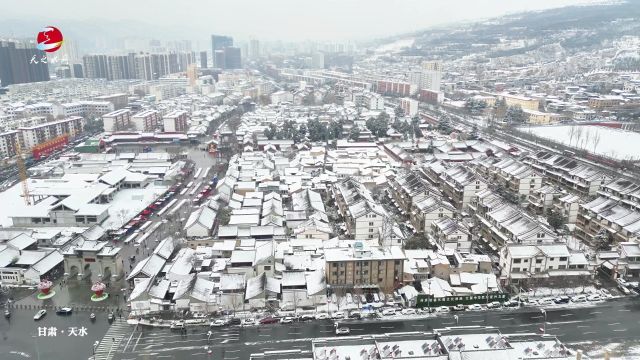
(544, 323)
(455, 317)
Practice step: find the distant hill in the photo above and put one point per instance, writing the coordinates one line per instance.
(573, 27)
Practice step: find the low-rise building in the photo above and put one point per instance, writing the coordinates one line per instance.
(364, 267)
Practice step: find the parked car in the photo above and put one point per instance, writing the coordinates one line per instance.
(322, 316)
(443, 309)
(546, 301)
(510, 303)
(249, 322)
(494, 305)
(306, 317)
(218, 323)
(338, 315)
(286, 320)
(177, 325)
(474, 307)
(269, 320)
(355, 315)
(389, 312)
(579, 298)
(234, 321)
(408, 311)
(458, 307)
(562, 300)
(606, 293)
(594, 297)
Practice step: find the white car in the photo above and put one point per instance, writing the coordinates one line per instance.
(579, 298)
(494, 305)
(338, 315)
(218, 323)
(322, 316)
(546, 301)
(594, 297)
(474, 307)
(606, 293)
(408, 311)
(443, 309)
(458, 307)
(389, 312)
(248, 322)
(40, 314)
(286, 320)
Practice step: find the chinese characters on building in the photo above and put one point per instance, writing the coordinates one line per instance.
(43, 59)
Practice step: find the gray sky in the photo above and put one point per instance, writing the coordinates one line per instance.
(277, 19)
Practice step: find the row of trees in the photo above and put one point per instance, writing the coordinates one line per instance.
(314, 130)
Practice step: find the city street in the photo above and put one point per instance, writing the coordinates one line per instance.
(603, 323)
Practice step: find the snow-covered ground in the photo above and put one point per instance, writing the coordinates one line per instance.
(616, 143)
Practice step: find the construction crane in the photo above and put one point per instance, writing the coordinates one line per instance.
(22, 172)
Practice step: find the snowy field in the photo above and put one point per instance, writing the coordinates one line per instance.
(606, 141)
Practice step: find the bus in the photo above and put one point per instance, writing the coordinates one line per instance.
(164, 209)
(132, 236)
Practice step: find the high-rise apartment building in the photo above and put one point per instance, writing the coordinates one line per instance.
(17, 67)
(232, 58)
(254, 49)
(203, 59)
(220, 43)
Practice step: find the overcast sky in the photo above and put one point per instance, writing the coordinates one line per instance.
(277, 19)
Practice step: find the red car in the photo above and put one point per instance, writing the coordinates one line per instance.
(146, 212)
(269, 320)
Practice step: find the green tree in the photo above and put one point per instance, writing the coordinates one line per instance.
(515, 115)
(354, 134)
(379, 125)
(335, 129)
(418, 241)
(270, 131)
(475, 106)
(224, 216)
(473, 135)
(398, 111)
(444, 126)
(555, 219)
(317, 130)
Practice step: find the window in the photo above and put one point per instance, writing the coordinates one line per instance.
(335, 265)
(267, 267)
(538, 261)
(564, 258)
(341, 272)
(562, 267)
(370, 223)
(370, 230)
(537, 269)
(550, 267)
(551, 259)
(370, 236)
(517, 261)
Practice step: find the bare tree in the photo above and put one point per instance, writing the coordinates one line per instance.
(572, 134)
(596, 141)
(579, 132)
(587, 137)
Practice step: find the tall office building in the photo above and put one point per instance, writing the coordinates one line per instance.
(254, 49)
(232, 58)
(218, 59)
(77, 71)
(220, 42)
(203, 59)
(16, 66)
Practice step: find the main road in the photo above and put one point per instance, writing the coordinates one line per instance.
(614, 321)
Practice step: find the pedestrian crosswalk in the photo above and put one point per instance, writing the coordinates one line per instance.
(109, 343)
